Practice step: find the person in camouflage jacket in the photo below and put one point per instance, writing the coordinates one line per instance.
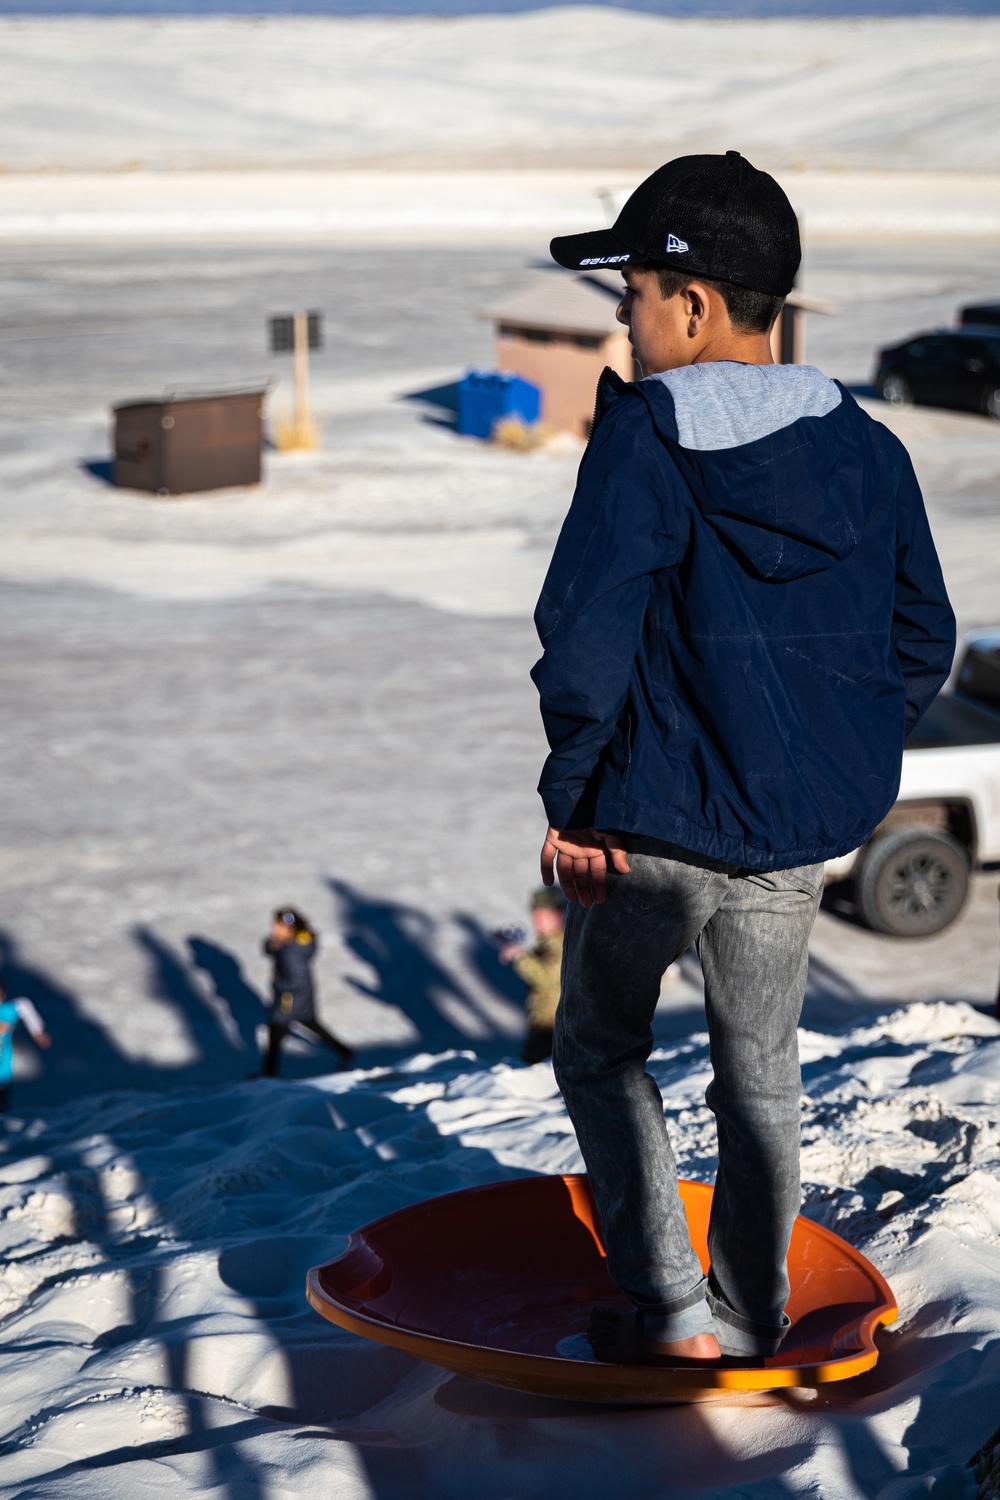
(539, 966)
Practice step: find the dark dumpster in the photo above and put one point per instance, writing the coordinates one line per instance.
(185, 443)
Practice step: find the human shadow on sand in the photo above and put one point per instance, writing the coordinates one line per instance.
(334, 1380)
(398, 944)
(217, 1026)
(212, 1013)
(481, 953)
(243, 1002)
(208, 1021)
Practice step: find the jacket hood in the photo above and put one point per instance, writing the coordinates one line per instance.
(777, 457)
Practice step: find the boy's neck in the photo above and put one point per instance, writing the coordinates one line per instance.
(736, 347)
(743, 349)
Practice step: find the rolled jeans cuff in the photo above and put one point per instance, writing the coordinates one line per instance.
(743, 1337)
(681, 1318)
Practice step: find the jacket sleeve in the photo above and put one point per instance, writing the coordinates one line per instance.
(593, 602)
(923, 625)
(532, 968)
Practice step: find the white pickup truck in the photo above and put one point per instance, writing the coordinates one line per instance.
(912, 877)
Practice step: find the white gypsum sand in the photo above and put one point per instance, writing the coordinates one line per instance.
(391, 515)
(152, 1322)
(435, 206)
(568, 88)
(484, 128)
(154, 1330)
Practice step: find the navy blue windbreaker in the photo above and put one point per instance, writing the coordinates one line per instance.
(743, 618)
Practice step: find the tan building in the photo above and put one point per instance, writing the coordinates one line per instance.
(559, 333)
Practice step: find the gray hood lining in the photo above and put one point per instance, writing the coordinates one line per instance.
(722, 404)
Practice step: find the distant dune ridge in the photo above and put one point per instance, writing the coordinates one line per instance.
(566, 88)
(504, 7)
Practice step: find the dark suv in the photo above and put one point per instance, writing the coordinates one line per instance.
(951, 367)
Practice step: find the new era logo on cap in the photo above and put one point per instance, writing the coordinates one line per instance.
(676, 246)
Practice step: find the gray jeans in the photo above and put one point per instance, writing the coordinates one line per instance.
(752, 932)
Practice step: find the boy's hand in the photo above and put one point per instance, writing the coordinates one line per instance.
(580, 856)
(43, 1040)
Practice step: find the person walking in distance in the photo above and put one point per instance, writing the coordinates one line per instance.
(292, 946)
(11, 1012)
(743, 619)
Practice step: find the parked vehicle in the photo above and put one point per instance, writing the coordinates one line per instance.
(950, 367)
(912, 877)
(980, 314)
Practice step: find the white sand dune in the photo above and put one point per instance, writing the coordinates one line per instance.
(579, 87)
(485, 128)
(154, 1331)
(441, 207)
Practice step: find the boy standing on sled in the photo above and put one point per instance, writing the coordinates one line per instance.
(743, 619)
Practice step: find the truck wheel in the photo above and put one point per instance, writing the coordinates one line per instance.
(991, 403)
(912, 882)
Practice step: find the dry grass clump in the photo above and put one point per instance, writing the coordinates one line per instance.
(291, 436)
(522, 437)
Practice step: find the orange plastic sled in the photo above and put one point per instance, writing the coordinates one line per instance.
(497, 1282)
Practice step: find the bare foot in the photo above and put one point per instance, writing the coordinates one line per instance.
(617, 1338)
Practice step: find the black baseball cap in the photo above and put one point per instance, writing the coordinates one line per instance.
(712, 216)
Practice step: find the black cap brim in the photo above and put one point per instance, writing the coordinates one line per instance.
(579, 252)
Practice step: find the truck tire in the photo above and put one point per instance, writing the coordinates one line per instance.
(912, 882)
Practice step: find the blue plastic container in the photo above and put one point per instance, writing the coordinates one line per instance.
(484, 396)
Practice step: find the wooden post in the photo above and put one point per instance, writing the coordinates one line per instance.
(303, 424)
(298, 433)
(788, 336)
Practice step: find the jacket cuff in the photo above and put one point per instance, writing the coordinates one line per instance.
(561, 809)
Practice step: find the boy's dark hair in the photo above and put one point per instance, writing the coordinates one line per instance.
(751, 312)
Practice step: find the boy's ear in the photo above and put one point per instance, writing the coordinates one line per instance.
(693, 304)
(703, 301)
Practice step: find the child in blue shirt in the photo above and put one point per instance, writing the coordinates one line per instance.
(12, 1011)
